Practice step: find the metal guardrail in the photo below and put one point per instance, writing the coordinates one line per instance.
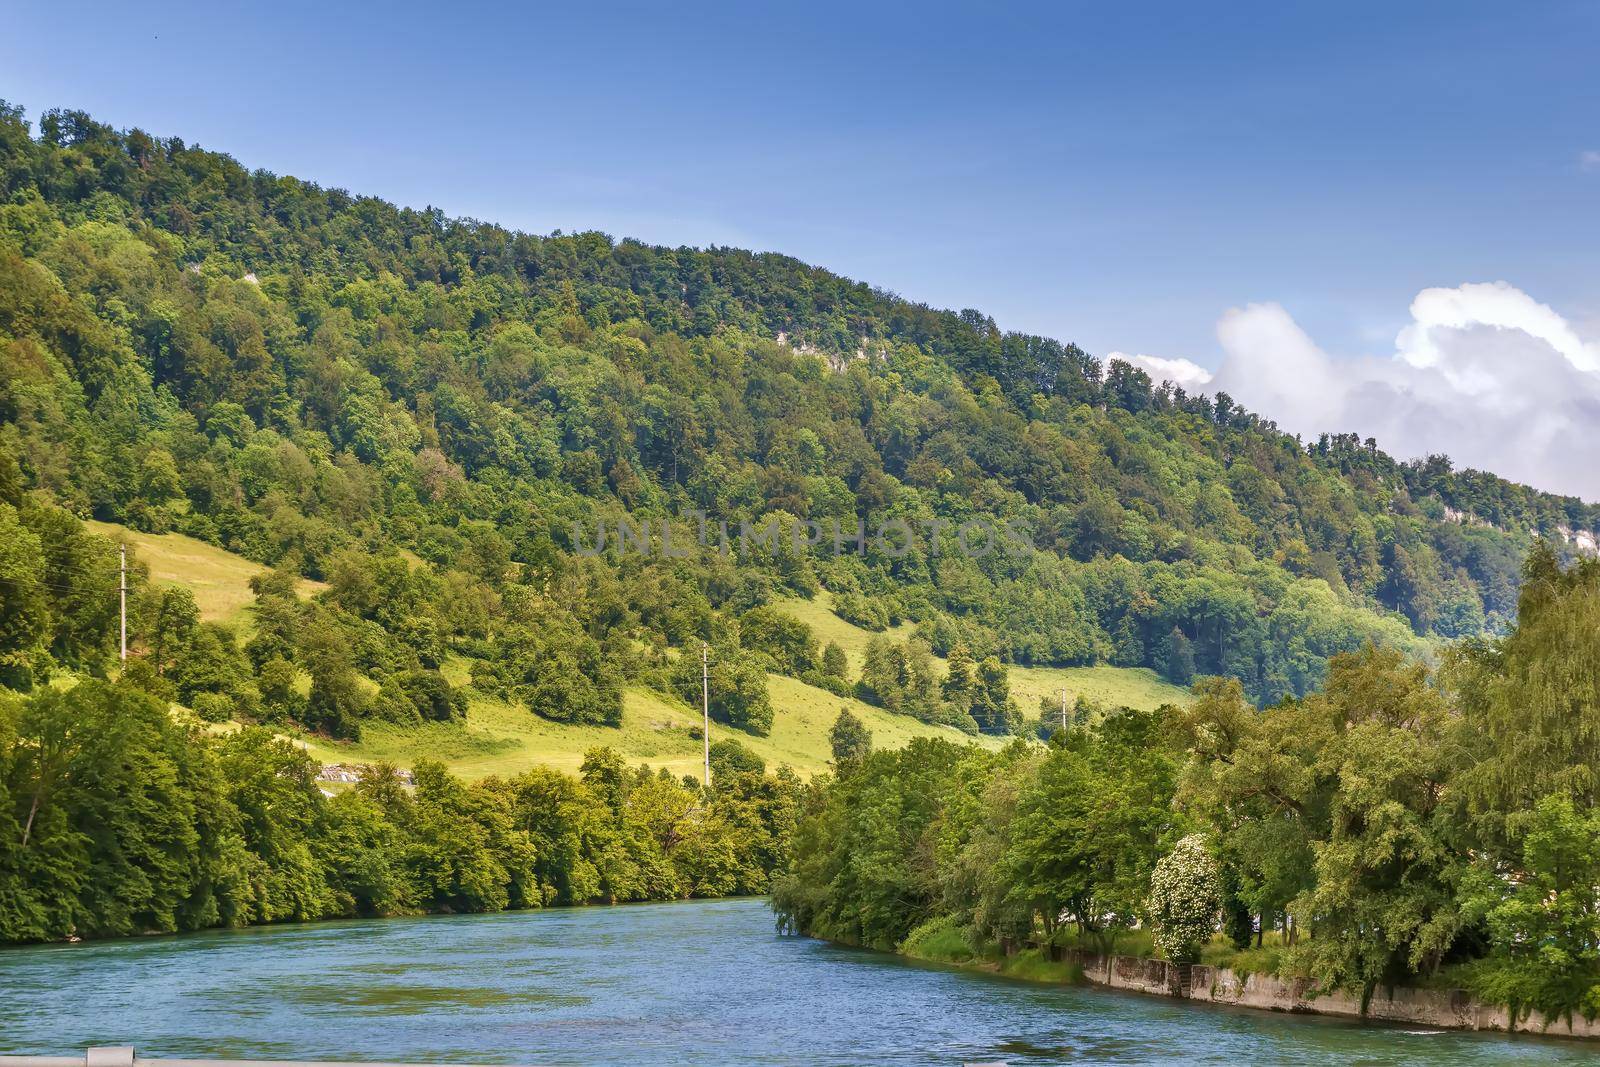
(125, 1056)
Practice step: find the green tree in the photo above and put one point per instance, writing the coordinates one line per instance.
(338, 700)
(1386, 900)
(737, 688)
(992, 706)
(900, 677)
(564, 675)
(1544, 922)
(1088, 830)
(788, 641)
(1177, 661)
(960, 685)
(729, 758)
(24, 608)
(834, 664)
(167, 617)
(1533, 697)
(849, 740)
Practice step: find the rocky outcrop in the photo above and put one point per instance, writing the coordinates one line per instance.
(1583, 541)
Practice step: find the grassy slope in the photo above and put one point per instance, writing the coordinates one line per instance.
(1134, 687)
(818, 614)
(219, 580)
(498, 738)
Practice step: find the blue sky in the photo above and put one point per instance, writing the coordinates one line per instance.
(1116, 175)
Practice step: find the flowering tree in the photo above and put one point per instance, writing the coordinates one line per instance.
(1185, 896)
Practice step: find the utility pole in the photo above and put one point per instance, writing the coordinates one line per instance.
(122, 595)
(705, 705)
(1063, 711)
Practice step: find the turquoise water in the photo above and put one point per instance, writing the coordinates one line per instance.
(700, 982)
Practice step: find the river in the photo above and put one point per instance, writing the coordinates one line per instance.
(698, 982)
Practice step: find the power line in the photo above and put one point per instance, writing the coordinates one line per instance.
(91, 571)
(106, 572)
(57, 586)
(99, 573)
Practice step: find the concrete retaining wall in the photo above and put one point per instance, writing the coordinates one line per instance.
(1445, 1008)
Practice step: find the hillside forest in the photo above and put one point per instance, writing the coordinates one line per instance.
(415, 424)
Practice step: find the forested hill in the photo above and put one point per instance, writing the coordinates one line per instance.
(339, 387)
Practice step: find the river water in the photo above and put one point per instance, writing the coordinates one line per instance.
(698, 982)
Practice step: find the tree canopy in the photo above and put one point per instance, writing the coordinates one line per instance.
(1399, 824)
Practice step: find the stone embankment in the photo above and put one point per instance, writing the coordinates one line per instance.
(1445, 1008)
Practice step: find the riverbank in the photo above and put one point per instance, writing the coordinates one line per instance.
(603, 987)
(1450, 1009)
(1453, 1009)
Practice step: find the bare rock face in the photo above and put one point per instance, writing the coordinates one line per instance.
(1584, 541)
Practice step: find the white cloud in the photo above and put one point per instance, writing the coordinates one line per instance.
(1487, 304)
(1589, 160)
(1177, 371)
(1483, 373)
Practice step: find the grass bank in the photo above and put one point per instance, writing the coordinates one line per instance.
(942, 940)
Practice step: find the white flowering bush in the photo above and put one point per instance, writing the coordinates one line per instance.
(1185, 897)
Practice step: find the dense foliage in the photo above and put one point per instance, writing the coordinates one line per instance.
(1397, 823)
(340, 388)
(115, 819)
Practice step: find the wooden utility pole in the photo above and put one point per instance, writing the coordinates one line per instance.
(705, 705)
(122, 595)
